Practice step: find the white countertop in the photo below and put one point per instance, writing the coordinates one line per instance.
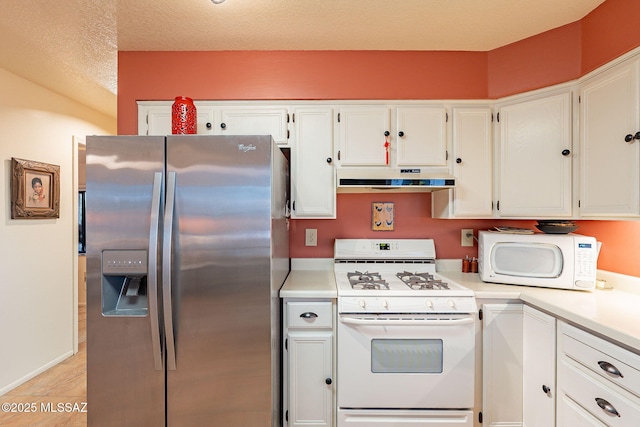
(309, 284)
(612, 314)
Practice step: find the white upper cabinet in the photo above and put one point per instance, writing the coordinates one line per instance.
(472, 166)
(255, 121)
(421, 136)
(155, 119)
(312, 172)
(394, 136)
(609, 146)
(363, 132)
(534, 152)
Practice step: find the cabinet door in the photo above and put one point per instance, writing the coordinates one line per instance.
(472, 166)
(502, 364)
(310, 379)
(313, 183)
(421, 136)
(156, 120)
(255, 121)
(539, 368)
(534, 168)
(362, 135)
(609, 107)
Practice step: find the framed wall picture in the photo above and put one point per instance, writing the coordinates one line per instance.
(35, 190)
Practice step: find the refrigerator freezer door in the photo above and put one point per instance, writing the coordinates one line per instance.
(124, 386)
(221, 285)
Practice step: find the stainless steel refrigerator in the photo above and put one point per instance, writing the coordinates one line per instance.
(187, 247)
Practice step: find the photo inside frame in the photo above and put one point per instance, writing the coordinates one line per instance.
(37, 190)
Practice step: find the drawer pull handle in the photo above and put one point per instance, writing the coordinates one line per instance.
(610, 369)
(308, 315)
(606, 406)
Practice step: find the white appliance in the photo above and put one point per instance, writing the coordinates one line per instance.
(406, 337)
(563, 261)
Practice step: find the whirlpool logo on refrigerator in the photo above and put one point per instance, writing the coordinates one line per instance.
(246, 148)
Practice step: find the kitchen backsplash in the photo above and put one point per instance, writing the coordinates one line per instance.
(412, 219)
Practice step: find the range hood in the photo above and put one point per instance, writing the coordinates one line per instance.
(358, 180)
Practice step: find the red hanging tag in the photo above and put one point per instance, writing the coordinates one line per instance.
(387, 144)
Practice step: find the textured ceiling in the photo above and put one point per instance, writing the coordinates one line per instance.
(70, 46)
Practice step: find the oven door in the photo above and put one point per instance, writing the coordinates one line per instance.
(406, 361)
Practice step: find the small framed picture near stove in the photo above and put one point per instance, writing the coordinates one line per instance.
(382, 216)
(35, 190)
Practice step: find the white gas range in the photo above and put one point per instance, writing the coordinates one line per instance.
(406, 337)
(395, 276)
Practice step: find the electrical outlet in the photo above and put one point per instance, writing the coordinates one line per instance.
(311, 237)
(467, 237)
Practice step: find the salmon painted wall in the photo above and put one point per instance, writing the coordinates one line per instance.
(556, 56)
(300, 75)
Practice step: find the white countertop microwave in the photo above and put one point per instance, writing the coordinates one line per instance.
(563, 261)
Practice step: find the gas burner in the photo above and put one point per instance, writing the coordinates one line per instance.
(366, 281)
(422, 281)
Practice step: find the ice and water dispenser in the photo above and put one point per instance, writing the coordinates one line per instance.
(124, 283)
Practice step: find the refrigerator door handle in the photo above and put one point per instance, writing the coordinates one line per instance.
(153, 271)
(167, 246)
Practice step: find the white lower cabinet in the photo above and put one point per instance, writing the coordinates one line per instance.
(598, 381)
(309, 374)
(538, 368)
(502, 365)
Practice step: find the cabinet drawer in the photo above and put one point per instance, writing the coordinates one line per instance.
(602, 357)
(571, 414)
(594, 395)
(309, 314)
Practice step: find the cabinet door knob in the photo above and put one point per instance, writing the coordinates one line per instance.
(610, 369)
(308, 315)
(637, 135)
(566, 152)
(223, 125)
(606, 406)
(209, 125)
(630, 137)
(329, 160)
(400, 134)
(545, 389)
(386, 133)
(328, 381)
(458, 160)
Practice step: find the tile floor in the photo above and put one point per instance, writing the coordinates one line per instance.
(56, 396)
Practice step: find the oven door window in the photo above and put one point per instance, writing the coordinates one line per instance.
(398, 356)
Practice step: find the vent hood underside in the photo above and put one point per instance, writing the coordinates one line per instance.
(358, 180)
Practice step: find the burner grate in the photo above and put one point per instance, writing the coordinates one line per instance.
(367, 281)
(422, 281)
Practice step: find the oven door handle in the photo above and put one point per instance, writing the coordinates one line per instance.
(386, 321)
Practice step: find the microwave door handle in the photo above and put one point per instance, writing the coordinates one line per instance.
(154, 229)
(406, 322)
(167, 246)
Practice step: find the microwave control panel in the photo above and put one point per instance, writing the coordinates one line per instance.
(585, 262)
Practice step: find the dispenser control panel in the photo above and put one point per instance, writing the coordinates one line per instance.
(124, 262)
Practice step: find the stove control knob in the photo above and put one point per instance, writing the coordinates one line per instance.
(362, 303)
(429, 304)
(451, 303)
(385, 304)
